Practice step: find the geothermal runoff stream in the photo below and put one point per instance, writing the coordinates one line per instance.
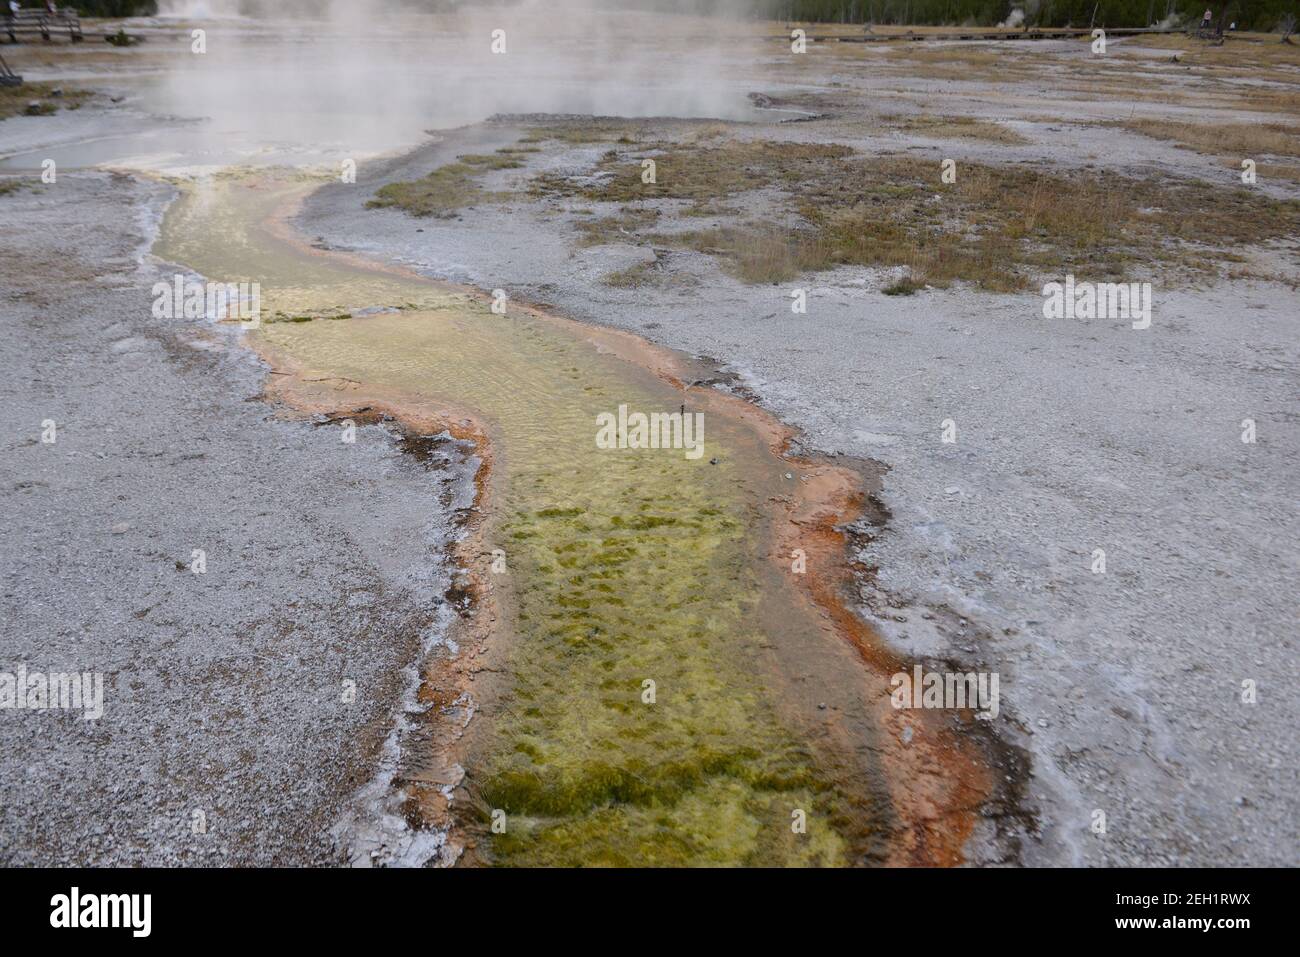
(665, 691)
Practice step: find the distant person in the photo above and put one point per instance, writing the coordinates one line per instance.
(51, 8)
(1205, 20)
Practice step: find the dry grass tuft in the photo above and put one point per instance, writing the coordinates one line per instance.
(447, 189)
(624, 226)
(37, 99)
(649, 273)
(956, 127)
(582, 133)
(1223, 139)
(633, 277)
(699, 171)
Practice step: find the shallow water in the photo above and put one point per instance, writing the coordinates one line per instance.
(622, 566)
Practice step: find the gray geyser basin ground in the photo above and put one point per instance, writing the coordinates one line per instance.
(223, 692)
(1072, 435)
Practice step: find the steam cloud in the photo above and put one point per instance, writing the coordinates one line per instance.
(371, 76)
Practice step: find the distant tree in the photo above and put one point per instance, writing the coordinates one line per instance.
(115, 8)
(1252, 15)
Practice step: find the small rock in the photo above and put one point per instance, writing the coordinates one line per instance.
(120, 527)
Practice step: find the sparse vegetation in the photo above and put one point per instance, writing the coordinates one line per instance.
(1223, 139)
(481, 162)
(623, 226)
(1270, 171)
(1256, 54)
(906, 286)
(997, 227)
(582, 133)
(446, 189)
(956, 127)
(633, 276)
(1231, 142)
(697, 171)
(39, 99)
(1253, 75)
(121, 38)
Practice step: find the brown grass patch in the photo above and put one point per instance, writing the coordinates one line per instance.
(623, 226)
(632, 277)
(701, 172)
(582, 133)
(996, 227)
(19, 100)
(1269, 171)
(956, 127)
(1241, 52)
(446, 189)
(649, 273)
(1232, 76)
(1222, 139)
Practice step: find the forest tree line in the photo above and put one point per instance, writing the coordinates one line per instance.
(1263, 15)
(1247, 14)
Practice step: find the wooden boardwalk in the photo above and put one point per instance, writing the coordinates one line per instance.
(7, 76)
(40, 22)
(910, 37)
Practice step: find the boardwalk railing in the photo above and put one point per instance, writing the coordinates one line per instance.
(1058, 33)
(41, 21)
(7, 76)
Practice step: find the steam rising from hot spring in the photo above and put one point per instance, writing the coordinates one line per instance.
(319, 76)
